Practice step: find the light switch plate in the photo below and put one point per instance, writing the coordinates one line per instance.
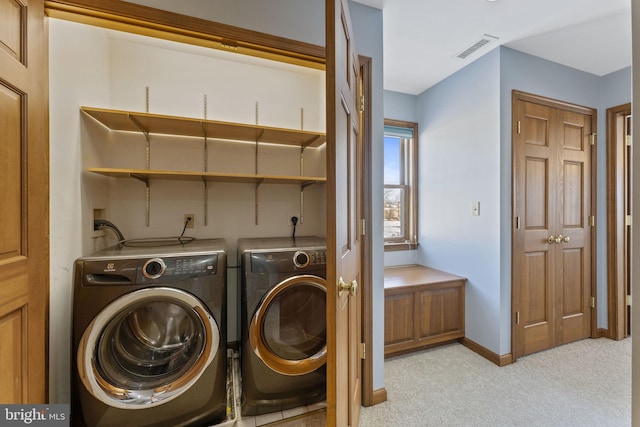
(475, 209)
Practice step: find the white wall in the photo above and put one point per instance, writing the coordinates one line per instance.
(109, 70)
(70, 86)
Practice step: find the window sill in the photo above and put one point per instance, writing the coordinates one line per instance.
(400, 246)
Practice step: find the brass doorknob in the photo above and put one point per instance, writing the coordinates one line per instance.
(566, 239)
(551, 240)
(559, 238)
(352, 287)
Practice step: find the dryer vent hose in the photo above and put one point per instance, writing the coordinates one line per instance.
(99, 224)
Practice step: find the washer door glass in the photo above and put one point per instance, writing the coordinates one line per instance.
(147, 347)
(288, 330)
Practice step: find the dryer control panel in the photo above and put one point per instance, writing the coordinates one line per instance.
(288, 261)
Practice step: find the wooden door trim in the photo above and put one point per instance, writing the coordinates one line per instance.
(554, 103)
(615, 173)
(158, 23)
(566, 106)
(24, 267)
(369, 395)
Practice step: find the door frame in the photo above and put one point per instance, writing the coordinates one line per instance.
(566, 106)
(618, 257)
(369, 396)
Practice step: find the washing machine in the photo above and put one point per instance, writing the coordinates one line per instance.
(149, 339)
(283, 309)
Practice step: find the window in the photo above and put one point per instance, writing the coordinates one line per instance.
(400, 185)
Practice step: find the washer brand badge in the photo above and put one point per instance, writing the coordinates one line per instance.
(111, 266)
(36, 415)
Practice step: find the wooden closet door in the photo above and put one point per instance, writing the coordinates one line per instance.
(551, 283)
(573, 253)
(24, 216)
(534, 263)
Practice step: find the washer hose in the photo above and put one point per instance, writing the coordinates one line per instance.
(103, 223)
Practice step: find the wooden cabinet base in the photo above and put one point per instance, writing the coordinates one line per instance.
(422, 307)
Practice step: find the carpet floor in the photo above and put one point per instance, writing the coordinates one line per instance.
(586, 383)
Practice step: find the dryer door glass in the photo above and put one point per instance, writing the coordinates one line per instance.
(288, 331)
(295, 324)
(147, 347)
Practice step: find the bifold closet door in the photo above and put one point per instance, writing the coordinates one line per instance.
(551, 234)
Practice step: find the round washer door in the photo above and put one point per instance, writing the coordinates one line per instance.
(147, 347)
(288, 329)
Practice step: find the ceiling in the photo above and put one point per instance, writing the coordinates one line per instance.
(422, 38)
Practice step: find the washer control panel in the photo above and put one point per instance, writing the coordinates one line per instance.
(177, 268)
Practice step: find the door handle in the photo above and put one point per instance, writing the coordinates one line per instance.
(352, 287)
(558, 239)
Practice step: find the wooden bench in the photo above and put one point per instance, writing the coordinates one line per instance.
(422, 307)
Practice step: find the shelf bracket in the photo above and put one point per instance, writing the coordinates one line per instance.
(205, 166)
(145, 132)
(302, 187)
(257, 193)
(147, 194)
(307, 184)
(309, 142)
(139, 126)
(206, 200)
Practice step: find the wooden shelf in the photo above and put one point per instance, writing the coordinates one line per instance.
(128, 121)
(144, 174)
(147, 124)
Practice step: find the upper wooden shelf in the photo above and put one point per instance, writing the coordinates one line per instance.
(174, 125)
(144, 174)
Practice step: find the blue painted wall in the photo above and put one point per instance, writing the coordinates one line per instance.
(367, 28)
(459, 164)
(465, 156)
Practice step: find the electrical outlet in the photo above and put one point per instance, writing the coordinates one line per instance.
(190, 220)
(291, 215)
(98, 213)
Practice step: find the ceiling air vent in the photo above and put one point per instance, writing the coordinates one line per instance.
(480, 44)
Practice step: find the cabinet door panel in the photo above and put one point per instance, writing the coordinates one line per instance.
(398, 319)
(440, 312)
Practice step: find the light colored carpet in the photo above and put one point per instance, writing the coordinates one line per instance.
(587, 383)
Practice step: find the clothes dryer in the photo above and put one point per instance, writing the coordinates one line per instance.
(283, 354)
(149, 341)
